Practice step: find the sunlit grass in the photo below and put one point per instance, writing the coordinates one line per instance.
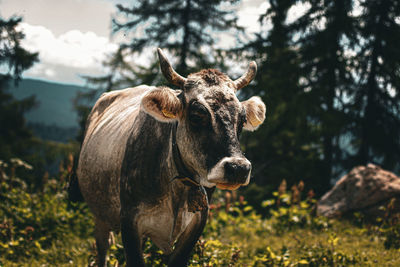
(43, 229)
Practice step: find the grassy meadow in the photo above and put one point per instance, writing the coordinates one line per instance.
(44, 229)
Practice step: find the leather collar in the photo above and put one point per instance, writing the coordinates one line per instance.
(197, 197)
(184, 175)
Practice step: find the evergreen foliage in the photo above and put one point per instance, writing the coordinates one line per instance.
(14, 135)
(326, 32)
(376, 98)
(288, 138)
(184, 28)
(330, 81)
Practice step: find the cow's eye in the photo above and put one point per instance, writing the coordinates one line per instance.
(196, 119)
(198, 115)
(241, 122)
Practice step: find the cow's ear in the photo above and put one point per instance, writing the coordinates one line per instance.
(163, 104)
(255, 113)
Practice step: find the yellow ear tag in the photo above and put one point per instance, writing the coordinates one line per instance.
(168, 114)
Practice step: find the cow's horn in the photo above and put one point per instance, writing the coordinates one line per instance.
(247, 77)
(169, 73)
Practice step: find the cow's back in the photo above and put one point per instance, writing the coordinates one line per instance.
(109, 125)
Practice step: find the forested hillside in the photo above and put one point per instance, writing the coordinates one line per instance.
(54, 116)
(54, 101)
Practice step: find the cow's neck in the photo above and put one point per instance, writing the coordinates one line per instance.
(148, 162)
(183, 173)
(158, 171)
(197, 197)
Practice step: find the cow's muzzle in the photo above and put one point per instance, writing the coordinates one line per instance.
(230, 173)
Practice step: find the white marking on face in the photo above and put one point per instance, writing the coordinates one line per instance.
(217, 173)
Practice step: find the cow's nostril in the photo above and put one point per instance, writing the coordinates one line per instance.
(237, 172)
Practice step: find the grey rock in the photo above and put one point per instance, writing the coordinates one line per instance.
(364, 189)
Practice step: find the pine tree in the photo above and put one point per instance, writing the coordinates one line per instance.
(14, 133)
(184, 28)
(376, 106)
(326, 32)
(286, 139)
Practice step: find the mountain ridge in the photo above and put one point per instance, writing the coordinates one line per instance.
(55, 101)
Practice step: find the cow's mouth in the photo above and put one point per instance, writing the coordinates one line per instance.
(228, 186)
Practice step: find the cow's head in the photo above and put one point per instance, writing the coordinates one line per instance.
(210, 119)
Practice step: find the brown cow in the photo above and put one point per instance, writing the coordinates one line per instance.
(152, 157)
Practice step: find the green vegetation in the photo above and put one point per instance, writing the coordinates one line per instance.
(39, 226)
(44, 229)
(15, 137)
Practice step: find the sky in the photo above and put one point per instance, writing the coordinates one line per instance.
(73, 37)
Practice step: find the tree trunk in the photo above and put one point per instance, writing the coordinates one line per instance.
(364, 156)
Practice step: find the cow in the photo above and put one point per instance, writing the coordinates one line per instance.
(152, 156)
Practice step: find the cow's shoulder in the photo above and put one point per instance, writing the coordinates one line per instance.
(115, 110)
(121, 98)
(118, 101)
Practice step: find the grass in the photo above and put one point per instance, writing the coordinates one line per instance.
(73, 251)
(352, 241)
(367, 249)
(43, 229)
(342, 243)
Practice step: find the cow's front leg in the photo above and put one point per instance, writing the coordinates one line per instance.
(102, 233)
(180, 255)
(184, 245)
(132, 240)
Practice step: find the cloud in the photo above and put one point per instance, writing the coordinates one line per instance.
(249, 12)
(62, 16)
(82, 52)
(296, 11)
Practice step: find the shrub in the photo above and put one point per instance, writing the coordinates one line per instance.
(288, 210)
(31, 222)
(391, 226)
(43, 228)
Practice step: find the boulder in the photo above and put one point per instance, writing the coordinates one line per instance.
(364, 189)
